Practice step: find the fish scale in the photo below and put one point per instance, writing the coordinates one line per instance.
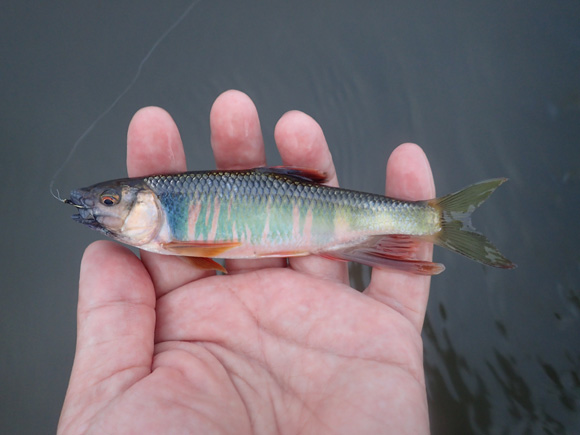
(250, 189)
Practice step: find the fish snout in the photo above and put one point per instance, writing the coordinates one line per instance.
(84, 203)
(80, 198)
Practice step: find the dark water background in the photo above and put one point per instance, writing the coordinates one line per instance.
(487, 88)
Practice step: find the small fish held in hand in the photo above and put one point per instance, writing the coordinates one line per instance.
(282, 212)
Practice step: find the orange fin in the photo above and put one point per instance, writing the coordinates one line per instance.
(393, 251)
(285, 254)
(303, 174)
(200, 249)
(204, 263)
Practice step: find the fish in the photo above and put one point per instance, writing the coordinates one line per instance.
(283, 211)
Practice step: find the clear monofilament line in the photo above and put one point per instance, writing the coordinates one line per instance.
(54, 192)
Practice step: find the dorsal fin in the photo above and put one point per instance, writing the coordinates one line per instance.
(303, 174)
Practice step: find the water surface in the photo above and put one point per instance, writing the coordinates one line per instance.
(486, 88)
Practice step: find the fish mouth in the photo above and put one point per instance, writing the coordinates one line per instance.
(84, 206)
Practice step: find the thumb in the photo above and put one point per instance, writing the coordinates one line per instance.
(115, 329)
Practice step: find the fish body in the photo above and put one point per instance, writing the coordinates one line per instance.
(281, 212)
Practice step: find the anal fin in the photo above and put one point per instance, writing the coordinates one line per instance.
(391, 251)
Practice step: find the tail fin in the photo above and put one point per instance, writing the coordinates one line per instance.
(457, 234)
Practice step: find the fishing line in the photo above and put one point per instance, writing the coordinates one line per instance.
(119, 97)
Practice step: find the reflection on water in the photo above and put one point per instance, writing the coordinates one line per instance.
(497, 398)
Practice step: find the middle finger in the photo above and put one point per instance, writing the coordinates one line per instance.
(237, 143)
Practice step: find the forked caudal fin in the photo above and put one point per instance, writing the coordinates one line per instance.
(457, 234)
(398, 251)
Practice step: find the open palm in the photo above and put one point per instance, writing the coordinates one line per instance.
(274, 346)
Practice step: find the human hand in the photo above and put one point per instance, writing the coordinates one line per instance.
(274, 346)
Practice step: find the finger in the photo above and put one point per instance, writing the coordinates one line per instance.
(116, 324)
(154, 147)
(301, 143)
(409, 177)
(236, 140)
(153, 144)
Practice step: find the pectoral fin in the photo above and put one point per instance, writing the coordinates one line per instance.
(200, 249)
(391, 251)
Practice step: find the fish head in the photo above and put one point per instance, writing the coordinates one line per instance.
(126, 210)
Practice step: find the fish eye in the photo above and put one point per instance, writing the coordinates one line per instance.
(110, 198)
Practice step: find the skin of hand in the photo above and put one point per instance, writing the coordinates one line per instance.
(275, 346)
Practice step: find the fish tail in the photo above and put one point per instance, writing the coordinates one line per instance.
(457, 234)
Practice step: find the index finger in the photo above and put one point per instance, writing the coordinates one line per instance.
(154, 147)
(236, 141)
